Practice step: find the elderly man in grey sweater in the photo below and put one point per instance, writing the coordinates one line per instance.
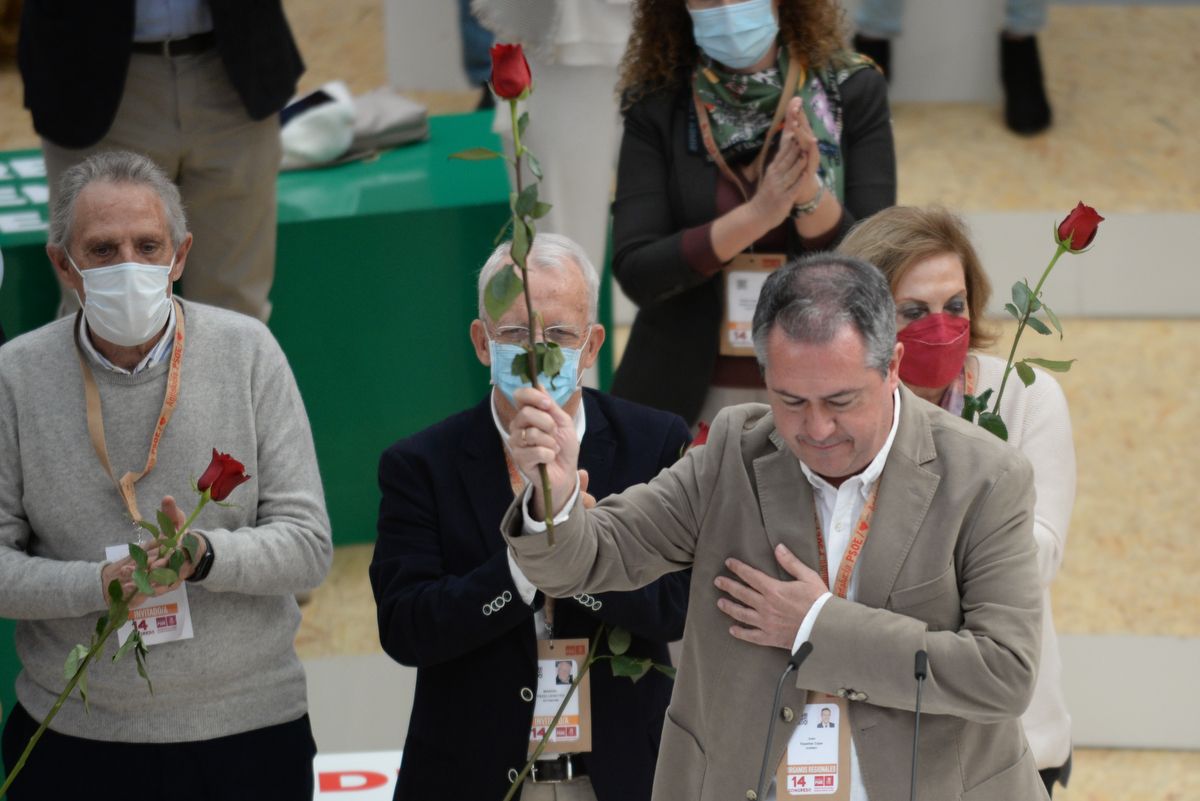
(227, 718)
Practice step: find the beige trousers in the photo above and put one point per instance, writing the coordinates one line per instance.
(575, 790)
(183, 113)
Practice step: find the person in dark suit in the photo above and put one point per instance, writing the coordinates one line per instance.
(825, 723)
(452, 603)
(196, 85)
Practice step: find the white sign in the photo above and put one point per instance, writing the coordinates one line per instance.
(367, 776)
(10, 197)
(28, 167)
(16, 222)
(37, 193)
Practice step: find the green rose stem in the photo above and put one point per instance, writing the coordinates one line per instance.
(541, 746)
(530, 354)
(205, 497)
(115, 621)
(1029, 309)
(62, 698)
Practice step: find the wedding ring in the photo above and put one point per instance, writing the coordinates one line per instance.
(524, 436)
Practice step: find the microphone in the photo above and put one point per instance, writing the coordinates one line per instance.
(794, 662)
(920, 670)
(801, 653)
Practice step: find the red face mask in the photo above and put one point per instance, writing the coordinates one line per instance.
(935, 348)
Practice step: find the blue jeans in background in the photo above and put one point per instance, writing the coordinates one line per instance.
(880, 19)
(476, 45)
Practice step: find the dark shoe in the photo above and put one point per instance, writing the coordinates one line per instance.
(878, 50)
(1026, 109)
(487, 102)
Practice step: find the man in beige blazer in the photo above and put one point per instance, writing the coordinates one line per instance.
(949, 565)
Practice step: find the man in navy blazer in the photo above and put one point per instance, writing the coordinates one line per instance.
(453, 604)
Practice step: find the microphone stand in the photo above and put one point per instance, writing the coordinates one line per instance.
(920, 670)
(794, 662)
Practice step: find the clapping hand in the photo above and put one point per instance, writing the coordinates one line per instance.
(796, 122)
(791, 177)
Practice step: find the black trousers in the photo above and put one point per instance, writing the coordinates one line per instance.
(270, 764)
(1060, 775)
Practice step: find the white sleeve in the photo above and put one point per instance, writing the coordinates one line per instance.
(537, 526)
(810, 620)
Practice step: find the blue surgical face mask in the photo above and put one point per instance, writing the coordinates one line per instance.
(738, 35)
(560, 388)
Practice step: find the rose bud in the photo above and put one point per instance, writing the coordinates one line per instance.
(510, 71)
(223, 475)
(1079, 229)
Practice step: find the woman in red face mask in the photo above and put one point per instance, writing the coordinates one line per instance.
(941, 292)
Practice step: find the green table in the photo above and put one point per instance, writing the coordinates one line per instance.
(374, 292)
(373, 295)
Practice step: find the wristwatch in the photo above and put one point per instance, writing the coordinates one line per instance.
(804, 209)
(205, 563)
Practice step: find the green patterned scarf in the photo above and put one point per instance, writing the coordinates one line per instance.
(741, 106)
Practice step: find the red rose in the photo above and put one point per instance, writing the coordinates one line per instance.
(1079, 229)
(223, 475)
(510, 71)
(701, 434)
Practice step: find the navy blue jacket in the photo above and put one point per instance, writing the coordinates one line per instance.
(440, 559)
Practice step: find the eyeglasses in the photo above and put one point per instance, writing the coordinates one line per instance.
(561, 335)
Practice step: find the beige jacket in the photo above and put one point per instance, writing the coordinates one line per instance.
(950, 566)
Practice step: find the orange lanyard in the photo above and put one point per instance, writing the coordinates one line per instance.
(794, 78)
(514, 476)
(853, 550)
(95, 414)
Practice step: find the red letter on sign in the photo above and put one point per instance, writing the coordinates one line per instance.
(359, 780)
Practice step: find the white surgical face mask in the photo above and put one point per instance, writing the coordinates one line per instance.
(126, 303)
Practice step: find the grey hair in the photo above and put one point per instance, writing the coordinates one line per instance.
(813, 297)
(115, 167)
(549, 252)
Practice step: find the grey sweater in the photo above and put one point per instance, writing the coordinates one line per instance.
(58, 511)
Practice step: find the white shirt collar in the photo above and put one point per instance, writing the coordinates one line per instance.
(580, 419)
(160, 351)
(873, 470)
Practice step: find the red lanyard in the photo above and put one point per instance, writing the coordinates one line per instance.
(853, 550)
(793, 79)
(95, 415)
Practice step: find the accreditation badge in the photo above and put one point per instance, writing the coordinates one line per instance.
(817, 759)
(164, 618)
(559, 662)
(744, 277)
